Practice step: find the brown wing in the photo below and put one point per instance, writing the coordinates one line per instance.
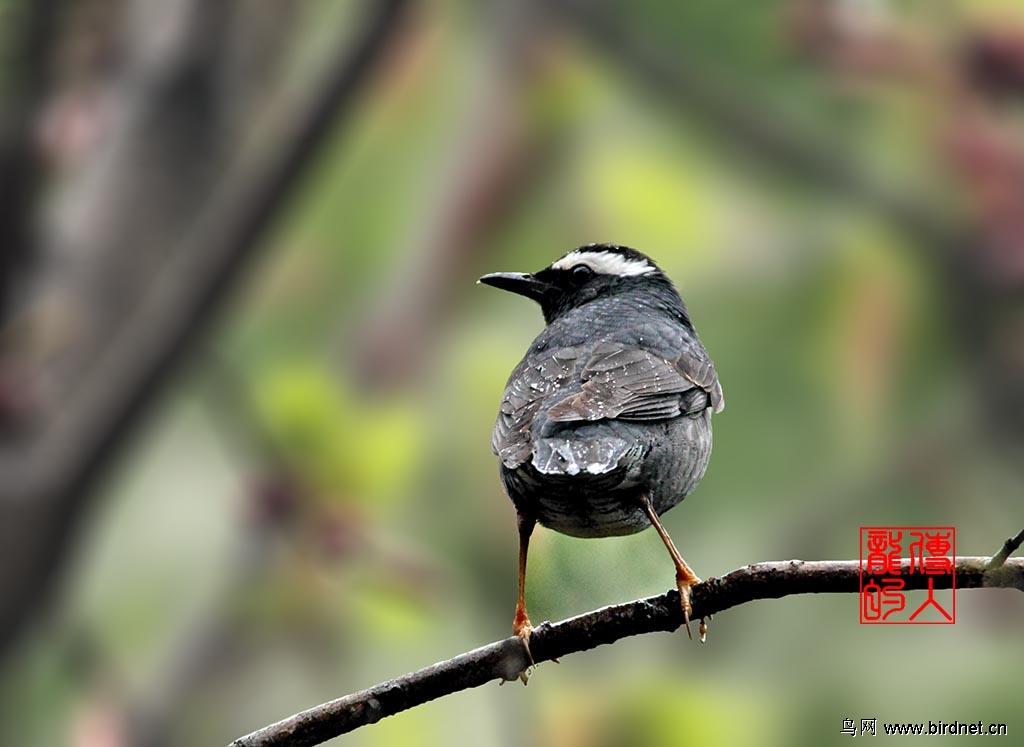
(633, 384)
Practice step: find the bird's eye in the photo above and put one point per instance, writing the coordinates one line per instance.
(580, 274)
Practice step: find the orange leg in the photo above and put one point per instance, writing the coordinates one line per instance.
(685, 577)
(521, 623)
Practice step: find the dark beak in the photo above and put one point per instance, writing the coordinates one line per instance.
(522, 283)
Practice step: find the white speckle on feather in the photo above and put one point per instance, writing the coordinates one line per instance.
(565, 452)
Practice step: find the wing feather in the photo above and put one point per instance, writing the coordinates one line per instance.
(613, 381)
(532, 383)
(634, 384)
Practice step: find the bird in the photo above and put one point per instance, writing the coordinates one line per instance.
(605, 424)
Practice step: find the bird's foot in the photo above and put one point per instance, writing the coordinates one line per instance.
(522, 627)
(684, 583)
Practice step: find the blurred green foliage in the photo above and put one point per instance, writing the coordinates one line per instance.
(849, 403)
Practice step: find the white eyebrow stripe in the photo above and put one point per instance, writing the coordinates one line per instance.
(605, 263)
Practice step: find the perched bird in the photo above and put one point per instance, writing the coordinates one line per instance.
(606, 422)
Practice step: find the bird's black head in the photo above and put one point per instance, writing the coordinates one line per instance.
(588, 273)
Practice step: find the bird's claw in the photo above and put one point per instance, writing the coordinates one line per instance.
(684, 598)
(684, 586)
(523, 629)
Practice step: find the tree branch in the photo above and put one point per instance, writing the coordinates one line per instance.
(1008, 548)
(504, 660)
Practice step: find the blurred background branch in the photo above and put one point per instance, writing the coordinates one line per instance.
(750, 123)
(26, 79)
(134, 294)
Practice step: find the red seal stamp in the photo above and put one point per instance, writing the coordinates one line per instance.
(888, 556)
